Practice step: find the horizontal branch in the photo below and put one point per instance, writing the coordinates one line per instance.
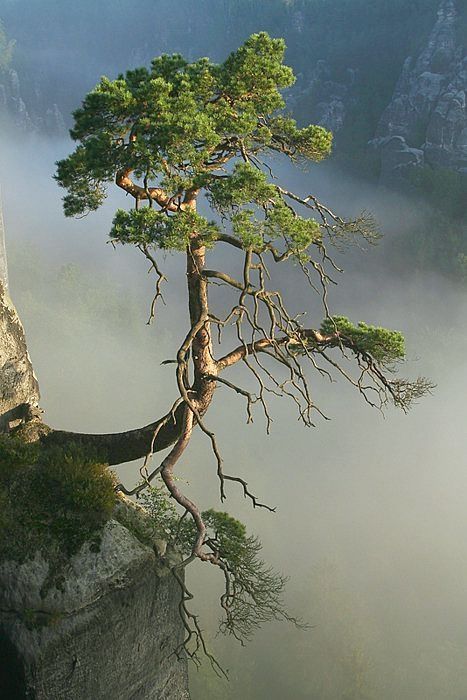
(264, 343)
(117, 448)
(224, 277)
(160, 196)
(278, 257)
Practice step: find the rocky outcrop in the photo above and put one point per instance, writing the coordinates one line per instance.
(427, 112)
(325, 101)
(397, 157)
(29, 117)
(3, 259)
(19, 390)
(104, 627)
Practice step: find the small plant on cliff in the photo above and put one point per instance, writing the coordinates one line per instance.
(175, 136)
(253, 591)
(53, 502)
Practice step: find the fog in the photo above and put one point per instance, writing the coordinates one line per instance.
(373, 506)
(371, 514)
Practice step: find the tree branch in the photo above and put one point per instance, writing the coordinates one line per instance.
(117, 448)
(243, 351)
(123, 180)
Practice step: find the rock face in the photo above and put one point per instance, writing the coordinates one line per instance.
(102, 625)
(103, 629)
(27, 117)
(3, 258)
(19, 390)
(325, 101)
(427, 113)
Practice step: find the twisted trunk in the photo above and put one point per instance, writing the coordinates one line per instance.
(19, 390)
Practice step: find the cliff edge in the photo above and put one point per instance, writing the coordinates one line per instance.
(105, 625)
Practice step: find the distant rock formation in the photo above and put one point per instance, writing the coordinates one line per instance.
(105, 627)
(27, 117)
(426, 120)
(325, 101)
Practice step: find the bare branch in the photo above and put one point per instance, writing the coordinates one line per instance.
(160, 279)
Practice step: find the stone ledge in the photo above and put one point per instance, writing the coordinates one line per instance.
(107, 631)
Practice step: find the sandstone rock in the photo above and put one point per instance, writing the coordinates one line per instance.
(428, 108)
(103, 629)
(54, 122)
(103, 625)
(446, 136)
(27, 117)
(19, 390)
(326, 101)
(397, 157)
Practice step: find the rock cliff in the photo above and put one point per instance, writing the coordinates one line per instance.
(104, 627)
(27, 117)
(324, 100)
(426, 119)
(19, 390)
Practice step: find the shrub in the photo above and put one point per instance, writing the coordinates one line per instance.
(54, 503)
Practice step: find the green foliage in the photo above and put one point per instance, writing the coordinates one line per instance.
(248, 229)
(384, 345)
(15, 454)
(298, 232)
(249, 186)
(254, 594)
(254, 73)
(86, 193)
(179, 123)
(280, 222)
(313, 142)
(245, 185)
(166, 523)
(151, 227)
(53, 502)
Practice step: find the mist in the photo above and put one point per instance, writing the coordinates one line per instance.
(371, 518)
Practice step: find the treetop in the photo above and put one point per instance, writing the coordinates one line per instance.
(175, 127)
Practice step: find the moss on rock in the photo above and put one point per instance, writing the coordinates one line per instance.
(51, 502)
